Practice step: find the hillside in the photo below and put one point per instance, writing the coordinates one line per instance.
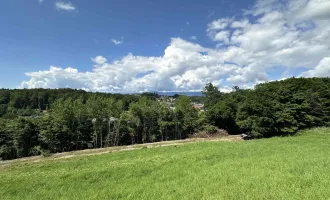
(277, 168)
(39, 121)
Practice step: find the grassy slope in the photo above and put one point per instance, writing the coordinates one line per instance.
(277, 168)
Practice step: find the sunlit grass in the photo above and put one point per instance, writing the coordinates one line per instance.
(277, 168)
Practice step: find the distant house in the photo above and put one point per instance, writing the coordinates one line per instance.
(198, 106)
(168, 101)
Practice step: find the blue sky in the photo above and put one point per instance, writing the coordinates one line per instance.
(40, 34)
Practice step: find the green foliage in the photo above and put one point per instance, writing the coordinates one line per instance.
(212, 95)
(65, 119)
(150, 95)
(209, 129)
(25, 135)
(55, 135)
(3, 109)
(186, 115)
(284, 107)
(273, 109)
(45, 152)
(50, 121)
(223, 114)
(4, 96)
(35, 151)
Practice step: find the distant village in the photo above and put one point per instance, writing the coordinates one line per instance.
(170, 102)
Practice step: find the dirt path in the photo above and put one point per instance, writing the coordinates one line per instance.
(90, 152)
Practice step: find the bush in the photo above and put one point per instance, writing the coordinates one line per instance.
(7, 152)
(35, 151)
(210, 129)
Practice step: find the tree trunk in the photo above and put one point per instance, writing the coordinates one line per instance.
(109, 131)
(95, 137)
(144, 132)
(101, 136)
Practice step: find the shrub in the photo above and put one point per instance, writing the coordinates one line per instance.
(35, 151)
(210, 129)
(7, 152)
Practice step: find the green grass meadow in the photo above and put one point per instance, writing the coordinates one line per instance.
(278, 168)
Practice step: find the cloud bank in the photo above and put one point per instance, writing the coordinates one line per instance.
(272, 35)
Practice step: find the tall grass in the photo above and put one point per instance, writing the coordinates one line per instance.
(276, 168)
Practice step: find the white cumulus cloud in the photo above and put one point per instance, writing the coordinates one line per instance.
(185, 66)
(321, 70)
(219, 24)
(65, 6)
(118, 42)
(222, 36)
(284, 35)
(99, 60)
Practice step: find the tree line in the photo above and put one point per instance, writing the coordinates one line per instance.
(75, 120)
(44, 121)
(276, 108)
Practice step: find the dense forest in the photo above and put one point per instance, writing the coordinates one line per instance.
(44, 121)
